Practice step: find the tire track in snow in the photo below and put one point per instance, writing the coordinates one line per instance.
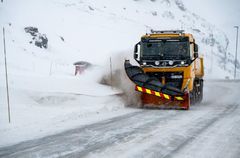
(167, 138)
(136, 127)
(181, 143)
(215, 135)
(80, 142)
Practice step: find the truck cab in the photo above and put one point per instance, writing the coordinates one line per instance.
(172, 58)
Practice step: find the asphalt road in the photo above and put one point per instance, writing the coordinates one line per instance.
(210, 129)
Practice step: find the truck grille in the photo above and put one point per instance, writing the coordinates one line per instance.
(174, 79)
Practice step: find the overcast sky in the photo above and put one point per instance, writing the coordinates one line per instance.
(223, 13)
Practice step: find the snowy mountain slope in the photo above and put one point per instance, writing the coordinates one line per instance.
(93, 30)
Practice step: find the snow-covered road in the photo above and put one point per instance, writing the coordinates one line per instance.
(211, 129)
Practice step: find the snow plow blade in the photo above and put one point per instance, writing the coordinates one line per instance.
(154, 92)
(141, 79)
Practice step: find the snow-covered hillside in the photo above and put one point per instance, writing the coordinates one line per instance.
(93, 30)
(84, 30)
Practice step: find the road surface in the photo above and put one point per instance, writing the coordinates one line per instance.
(210, 129)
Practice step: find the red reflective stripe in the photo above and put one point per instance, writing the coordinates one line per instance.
(162, 96)
(152, 92)
(144, 90)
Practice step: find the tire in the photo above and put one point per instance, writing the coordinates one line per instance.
(197, 92)
(201, 91)
(193, 96)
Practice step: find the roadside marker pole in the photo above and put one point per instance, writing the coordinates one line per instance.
(50, 72)
(111, 72)
(6, 72)
(235, 63)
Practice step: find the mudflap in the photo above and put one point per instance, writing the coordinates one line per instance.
(151, 101)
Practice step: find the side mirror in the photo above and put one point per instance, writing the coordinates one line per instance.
(136, 48)
(136, 55)
(195, 47)
(195, 54)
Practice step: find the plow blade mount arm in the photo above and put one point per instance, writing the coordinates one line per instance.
(137, 75)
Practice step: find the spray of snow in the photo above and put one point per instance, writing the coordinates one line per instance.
(116, 77)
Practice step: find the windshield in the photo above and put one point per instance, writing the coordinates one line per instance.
(165, 49)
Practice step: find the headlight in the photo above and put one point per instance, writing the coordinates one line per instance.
(157, 62)
(170, 62)
(144, 63)
(176, 76)
(182, 62)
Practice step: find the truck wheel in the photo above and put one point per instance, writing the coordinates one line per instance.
(193, 96)
(201, 91)
(197, 92)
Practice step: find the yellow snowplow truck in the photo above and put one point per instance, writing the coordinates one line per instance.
(170, 72)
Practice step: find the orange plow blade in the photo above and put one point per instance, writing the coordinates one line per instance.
(155, 99)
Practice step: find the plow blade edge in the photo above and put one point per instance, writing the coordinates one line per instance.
(141, 79)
